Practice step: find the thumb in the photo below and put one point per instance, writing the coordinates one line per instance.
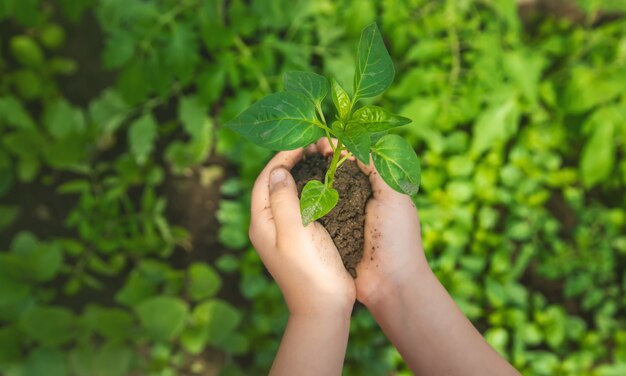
(284, 201)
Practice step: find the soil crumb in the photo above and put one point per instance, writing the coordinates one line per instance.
(346, 222)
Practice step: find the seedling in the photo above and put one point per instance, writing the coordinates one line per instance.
(294, 119)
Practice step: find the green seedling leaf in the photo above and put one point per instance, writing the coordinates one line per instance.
(358, 141)
(340, 99)
(163, 317)
(374, 68)
(397, 164)
(316, 201)
(311, 85)
(377, 119)
(280, 121)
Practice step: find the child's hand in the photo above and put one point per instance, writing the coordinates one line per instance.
(303, 260)
(393, 253)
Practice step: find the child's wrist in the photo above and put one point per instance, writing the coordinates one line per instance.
(323, 308)
(325, 315)
(391, 289)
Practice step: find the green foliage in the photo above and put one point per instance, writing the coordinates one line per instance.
(285, 121)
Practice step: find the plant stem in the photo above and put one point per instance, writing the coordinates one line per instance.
(328, 132)
(330, 174)
(344, 159)
(321, 113)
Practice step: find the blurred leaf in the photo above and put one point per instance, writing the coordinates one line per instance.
(43, 361)
(218, 318)
(50, 326)
(163, 317)
(227, 263)
(12, 113)
(111, 323)
(33, 260)
(119, 49)
(10, 345)
(498, 338)
(142, 135)
(524, 68)
(109, 360)
(204, 282)
(26, 51)
(136, 289)
(8, 214)
(497, 124)
(108, 111)
(598, 155)
(62, 119)
(182, 51)
(192, 114)
(588, 87)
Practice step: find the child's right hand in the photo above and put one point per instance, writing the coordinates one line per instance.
(393, 254)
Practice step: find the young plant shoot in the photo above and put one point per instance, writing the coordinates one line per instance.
(294, 119)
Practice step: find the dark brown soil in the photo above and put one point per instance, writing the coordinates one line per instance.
(346, 222)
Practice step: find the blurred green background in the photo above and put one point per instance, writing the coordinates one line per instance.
(124, 203)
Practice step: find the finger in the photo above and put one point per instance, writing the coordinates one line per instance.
(380, 189)
(262, 227)
(311, 149)
(284, 203)
(323, 146)
(260, 196)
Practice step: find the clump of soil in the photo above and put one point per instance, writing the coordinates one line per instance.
(346, 222)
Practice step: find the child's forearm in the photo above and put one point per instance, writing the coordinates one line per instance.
(313, 345)
(430, 332)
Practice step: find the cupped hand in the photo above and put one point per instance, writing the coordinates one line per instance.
(303, 260)
(393, 253)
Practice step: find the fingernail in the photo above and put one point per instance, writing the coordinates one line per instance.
(277, 176)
